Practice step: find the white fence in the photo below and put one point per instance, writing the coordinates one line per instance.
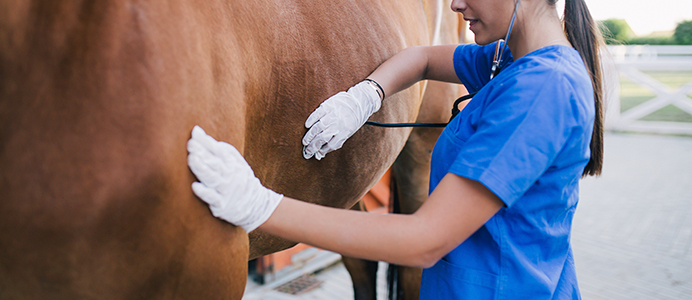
(629, 62)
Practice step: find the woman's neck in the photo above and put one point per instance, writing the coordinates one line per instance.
(537, 26)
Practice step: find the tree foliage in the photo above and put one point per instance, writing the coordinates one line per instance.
(683, 33)
(652, 40)
(616, 31)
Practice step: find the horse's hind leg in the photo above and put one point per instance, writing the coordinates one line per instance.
(363, 272)
(411, 170)
(364, 277)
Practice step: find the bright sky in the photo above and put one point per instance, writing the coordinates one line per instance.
(643, 16)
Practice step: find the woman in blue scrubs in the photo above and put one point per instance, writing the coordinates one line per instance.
(504, 174)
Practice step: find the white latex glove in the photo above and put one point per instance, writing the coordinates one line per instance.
(227, 182)
(338, 118)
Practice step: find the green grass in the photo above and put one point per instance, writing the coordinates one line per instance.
(632, 95)
(673, 79)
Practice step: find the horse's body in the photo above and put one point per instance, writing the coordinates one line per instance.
(97, 100)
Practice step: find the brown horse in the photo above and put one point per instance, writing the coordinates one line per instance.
(97, 100)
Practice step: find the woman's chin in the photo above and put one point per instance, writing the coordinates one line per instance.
(482, 41)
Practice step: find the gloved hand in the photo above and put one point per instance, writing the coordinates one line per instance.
(227, 182)
(338, 118)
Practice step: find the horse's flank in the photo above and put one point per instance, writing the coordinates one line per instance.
(97, 99)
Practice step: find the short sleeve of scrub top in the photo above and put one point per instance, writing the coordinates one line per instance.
(474, 65)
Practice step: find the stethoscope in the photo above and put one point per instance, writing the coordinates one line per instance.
(497, 58)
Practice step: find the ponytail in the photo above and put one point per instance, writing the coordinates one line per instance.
(584, 35)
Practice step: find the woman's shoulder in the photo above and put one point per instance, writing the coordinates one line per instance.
(545, 77)
(553, 66)
(556, 61)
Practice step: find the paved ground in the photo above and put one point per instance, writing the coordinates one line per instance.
(632, 233)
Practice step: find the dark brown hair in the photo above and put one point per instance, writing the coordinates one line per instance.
(584, 35)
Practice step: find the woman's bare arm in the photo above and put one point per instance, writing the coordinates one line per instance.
(455, 210)
(414, 64)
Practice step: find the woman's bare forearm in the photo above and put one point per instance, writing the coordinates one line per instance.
(454, 211)
(352, 233)
(414, 64)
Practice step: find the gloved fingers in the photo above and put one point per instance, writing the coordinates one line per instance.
(328, 123)
(314, 131)
(319, 141)
(197, 131)
(334, 144)
(201, 170)
(307, 155)
(206, 141)
(316, 115)
(310, 149)
(319, 155)
(310, 140)
(208, 195)
(193, 146)
(220, 157)
(206, 169)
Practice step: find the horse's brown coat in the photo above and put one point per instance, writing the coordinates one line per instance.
(97, 99)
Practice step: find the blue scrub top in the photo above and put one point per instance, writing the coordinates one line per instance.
(525, 136)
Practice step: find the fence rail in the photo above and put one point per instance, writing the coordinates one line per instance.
(631, 62)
